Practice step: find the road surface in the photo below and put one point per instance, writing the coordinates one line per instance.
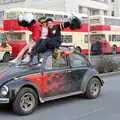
(106, 107)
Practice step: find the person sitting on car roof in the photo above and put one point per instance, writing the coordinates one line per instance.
(54, 35)
(44, 35)
(28, 20)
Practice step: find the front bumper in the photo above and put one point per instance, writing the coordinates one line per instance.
(4, 100)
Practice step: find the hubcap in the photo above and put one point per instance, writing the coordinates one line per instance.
(94, 88)
(27, 102)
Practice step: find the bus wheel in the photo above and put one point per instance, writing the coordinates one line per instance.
(6, 57)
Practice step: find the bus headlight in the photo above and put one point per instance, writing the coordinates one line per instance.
(4, 90)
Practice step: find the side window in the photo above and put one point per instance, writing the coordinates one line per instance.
(65, 17)
(58, 17)
(38, 15)
(86, 39)
(59, 63)
(67, 38)
(48, 65)
(52, 63)
(49, 16)
(14, 37)
(11, 15)
(77, 60)
(110, 38)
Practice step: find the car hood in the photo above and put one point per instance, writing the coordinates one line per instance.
(10, 71)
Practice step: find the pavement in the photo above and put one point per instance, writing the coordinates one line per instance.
(110, 73)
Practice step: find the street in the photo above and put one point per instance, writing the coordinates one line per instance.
(44, 29)
(106, 107)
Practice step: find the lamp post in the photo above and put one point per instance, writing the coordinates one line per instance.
(89, 42)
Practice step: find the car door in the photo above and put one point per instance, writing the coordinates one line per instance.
(56, 77)
(79, 66)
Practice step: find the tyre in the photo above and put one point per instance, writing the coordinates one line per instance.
(93, 88)
(6, 57)
(25, 101)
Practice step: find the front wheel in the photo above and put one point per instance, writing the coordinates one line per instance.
(25, 102)
(93, 88)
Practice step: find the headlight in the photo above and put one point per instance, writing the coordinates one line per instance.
(4, 90)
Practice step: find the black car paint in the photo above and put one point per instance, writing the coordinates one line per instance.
(89, 75)
(10, 72)
(15, 83)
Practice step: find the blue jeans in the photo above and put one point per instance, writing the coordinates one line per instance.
(48, 44)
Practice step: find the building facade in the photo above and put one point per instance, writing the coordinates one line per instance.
(114, 7)
(92, 7)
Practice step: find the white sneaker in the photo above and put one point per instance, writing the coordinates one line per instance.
(41, 60)
(27, 59)
(16, 61)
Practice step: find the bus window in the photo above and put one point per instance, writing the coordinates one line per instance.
(86, 39)
(38, 15)
(58, 17)
(84, 20)
(110, 38)
(110, 21)
(2, 37)
(15, 36)
(11, 15)
(1, 15)
(97, 37)
(28, 13)
(95, 21)
(67, 38)
(49, 16)
(115, 38)
(65, 17)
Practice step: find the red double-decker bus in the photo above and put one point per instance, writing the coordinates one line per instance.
(18, 36)
(106, 30)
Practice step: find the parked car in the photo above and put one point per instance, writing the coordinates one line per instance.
(54, 76)
(5, 48)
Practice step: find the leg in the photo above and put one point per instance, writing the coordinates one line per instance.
(28, 58)
(31, 46)
(40, 47)
(53, 43)
(33, 49)
(27, 47)
(18, 59)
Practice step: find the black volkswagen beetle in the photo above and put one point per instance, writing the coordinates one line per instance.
(54, 76)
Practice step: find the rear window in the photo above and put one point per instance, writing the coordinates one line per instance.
(78, 60)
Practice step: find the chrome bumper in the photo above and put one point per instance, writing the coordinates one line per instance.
(4, 100)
